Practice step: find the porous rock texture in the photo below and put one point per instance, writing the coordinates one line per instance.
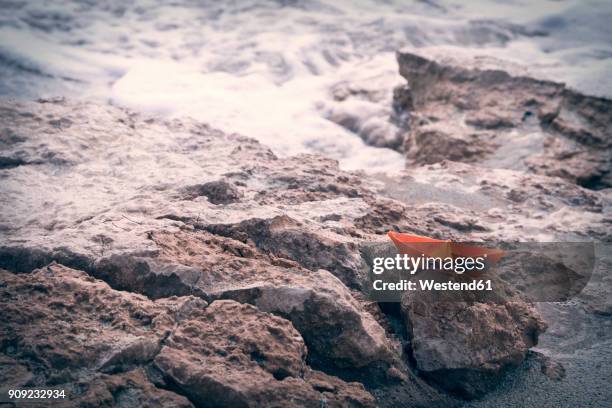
(113, 348)
(198, 267)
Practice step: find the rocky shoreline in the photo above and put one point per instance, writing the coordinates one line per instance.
(152, 262)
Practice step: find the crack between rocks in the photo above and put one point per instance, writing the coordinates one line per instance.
(80, 263)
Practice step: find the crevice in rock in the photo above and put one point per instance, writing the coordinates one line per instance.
(396, 323)
(25, 260)
(595, 182)
(11, 162)
(121, 272)
(286, 238)
(164, 382)
(174, 217)
(158, 378)
(372, 376)
(319, 339)
(399, 328)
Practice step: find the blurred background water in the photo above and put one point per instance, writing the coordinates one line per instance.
(265, 68)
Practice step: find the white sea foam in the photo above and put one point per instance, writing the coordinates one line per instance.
(265, 68)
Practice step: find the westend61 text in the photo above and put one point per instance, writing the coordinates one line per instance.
(429, 284)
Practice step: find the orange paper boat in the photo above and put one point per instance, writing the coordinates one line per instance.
(416, 245)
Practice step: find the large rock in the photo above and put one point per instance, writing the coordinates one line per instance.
(463, 346)
(339, 333)
(231, 354)
(65, 329)
(112, 190)
(491, 112)
(70, 331)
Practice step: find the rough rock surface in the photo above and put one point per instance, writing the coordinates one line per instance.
(464, 346)
(481, 110)
(66, 329)
(338, 331)
(232, 354)
(171, 209)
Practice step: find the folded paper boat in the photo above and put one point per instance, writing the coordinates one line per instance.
(416, 245)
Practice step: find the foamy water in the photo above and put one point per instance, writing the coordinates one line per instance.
(266, 69)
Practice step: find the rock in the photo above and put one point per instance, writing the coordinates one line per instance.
(337, 331)
(217, 192)
(305, 200)
(486, 111)
(132, 388)
(552, 369)
(105, 347)
(460, 201)
(454, 200)
(310, 191)
(463, 347)
(231, 354)
(74, 323)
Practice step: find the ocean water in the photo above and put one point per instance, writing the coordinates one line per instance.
(267, 69)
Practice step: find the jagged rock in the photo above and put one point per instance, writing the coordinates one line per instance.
(132, 388)
(464, 347)
(306, 199)
(342, 338)
(65, 329)
(464, 340)
(253, 185)
(487, 111)
(75, 323)
(217, 192)
(79, 334)
(337, 331)
(314, 249)
(231, 354)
